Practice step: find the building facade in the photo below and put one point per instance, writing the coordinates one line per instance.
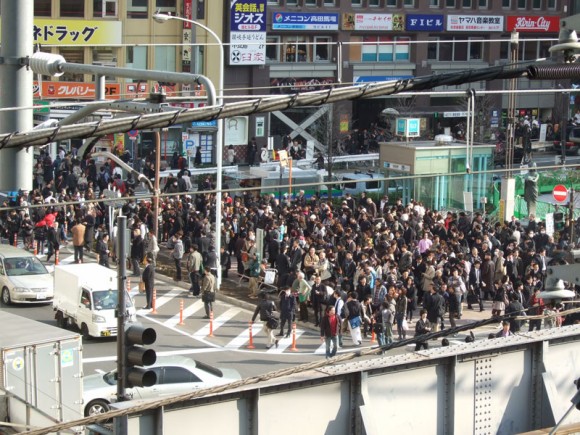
(286, 46)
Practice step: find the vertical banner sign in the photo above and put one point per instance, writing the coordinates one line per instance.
(186, 40)
(247, 32)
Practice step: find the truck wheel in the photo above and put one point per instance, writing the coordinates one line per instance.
(60, 320)
(6, 296)
(96, 407)
(85, 331)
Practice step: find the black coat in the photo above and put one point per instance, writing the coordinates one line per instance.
(148, 277)
(137, 251)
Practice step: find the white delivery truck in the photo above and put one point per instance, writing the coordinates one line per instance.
(86, 295)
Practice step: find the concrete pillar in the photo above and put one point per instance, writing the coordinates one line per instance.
(16, 91)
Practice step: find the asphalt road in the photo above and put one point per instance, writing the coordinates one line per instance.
(228, 345)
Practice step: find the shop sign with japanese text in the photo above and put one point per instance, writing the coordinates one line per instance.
(475, 23)
(303, 21)
(74, 90)
(291, 85)
(424, 23)
(248, 16)
(77, 32)
(528, 24)
(247, 32)
(370, 22)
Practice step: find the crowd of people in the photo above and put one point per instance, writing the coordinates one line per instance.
(368, 264)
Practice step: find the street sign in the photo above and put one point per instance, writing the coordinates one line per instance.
(560, 193)
(133, 134)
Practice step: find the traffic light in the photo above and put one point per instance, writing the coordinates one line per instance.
(559, 220)
(137, 357)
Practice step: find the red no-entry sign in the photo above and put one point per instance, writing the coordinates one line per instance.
(560, 193)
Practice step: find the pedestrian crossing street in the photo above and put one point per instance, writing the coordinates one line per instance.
(229, 330)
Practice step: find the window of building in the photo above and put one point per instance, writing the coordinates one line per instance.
(434, 3)
(483, 4)
(42, 8)
(166, 6)
(466, 4)
(136, 58)
(454, 49)
(385, 49)
(391, 3)
(105, 56)
(164, 59)
(72, 8)
(374, 3)
(291, 2)
(522, 4)
(408, 3)
(273, 48)
(329, 3)
(527, 49)
(273, 2)
(537, 4)
(137, 9)
(105, 8)
(449, 3)
(309, 2)
(72, 55)
(295, 49)
(322, 48)
(552, 4)
(506, 4)
(356, 3)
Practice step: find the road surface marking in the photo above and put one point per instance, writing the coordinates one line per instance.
(190, 310)
(168, 296)
(244, 337)
(284, 343)
(228, 315)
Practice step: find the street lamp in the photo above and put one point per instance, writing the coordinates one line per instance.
(161, 18)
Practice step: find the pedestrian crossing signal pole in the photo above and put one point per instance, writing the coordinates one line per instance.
(121, 423)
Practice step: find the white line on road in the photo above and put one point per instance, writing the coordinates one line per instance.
(228, 315)
(239, 341)
(167, 297)
(284, 343)
(321, 349)
(188, 311)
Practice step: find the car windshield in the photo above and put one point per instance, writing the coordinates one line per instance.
(107, 299)
(18, 266)
(110, 377)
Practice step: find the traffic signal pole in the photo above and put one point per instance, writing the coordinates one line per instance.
(121, 423)
(17, 80)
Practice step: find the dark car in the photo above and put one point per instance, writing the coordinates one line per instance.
(572, 142)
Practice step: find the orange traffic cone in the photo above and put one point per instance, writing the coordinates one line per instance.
(293, 337)
(35, 245)
(251, 344)
(154, 302)
(181, 313)
(56, 259)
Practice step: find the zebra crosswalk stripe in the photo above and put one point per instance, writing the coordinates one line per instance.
(190, 310)
(244, 337)
(228, 315)
(285, 343)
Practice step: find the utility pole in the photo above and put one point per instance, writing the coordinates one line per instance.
(17, 42)
(121, 422)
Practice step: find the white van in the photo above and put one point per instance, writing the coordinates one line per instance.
(85, 295)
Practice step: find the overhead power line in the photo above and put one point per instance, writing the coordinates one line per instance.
(282, 102)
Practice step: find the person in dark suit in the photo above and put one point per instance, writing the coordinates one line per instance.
(148, 277)
(475, 281)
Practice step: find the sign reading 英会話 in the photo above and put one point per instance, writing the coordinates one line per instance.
(247, 32)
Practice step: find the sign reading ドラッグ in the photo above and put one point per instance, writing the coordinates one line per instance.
(247, 32)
